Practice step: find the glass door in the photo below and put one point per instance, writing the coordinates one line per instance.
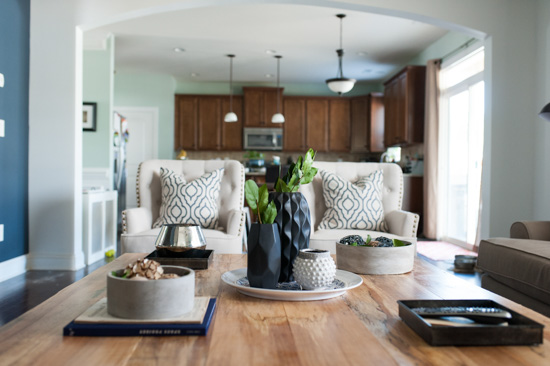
(461, 149)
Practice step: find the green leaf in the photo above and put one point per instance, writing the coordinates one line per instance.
(353, 244)
(309, 175)
(263, 198)
(251, 194)
(308, 159)
(281, 186)
(270, 213)
(369, 239)
(399, 243)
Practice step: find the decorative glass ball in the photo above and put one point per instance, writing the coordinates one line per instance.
(314, 269)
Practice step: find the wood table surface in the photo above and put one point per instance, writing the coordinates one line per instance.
(361, 327)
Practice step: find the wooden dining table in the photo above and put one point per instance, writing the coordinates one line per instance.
(360, 327)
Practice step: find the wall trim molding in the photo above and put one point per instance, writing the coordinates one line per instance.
(13, 267)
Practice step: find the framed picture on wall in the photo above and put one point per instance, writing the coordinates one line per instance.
(89, 118)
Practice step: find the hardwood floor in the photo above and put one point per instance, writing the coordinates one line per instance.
(22, 293)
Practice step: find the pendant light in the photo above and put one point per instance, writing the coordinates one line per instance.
(545, 112)
(230, 116)
(340, 84)
(278, 117)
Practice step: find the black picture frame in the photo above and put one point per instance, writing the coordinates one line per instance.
(89, 116)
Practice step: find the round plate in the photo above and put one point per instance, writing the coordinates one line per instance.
(344, 281)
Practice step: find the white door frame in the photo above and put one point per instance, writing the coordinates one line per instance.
(155, 112)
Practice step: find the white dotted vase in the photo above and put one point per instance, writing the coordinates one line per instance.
(314, 269)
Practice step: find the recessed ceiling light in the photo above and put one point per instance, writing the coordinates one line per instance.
(194, 74)
(270, 52)
(268, 75)
(179, 49)
(362, 53)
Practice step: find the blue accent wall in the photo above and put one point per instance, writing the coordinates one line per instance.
(14, 109)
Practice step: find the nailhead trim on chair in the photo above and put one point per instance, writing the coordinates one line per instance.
(124, 223)
(242, 199)
(416, 220)
(137, 185)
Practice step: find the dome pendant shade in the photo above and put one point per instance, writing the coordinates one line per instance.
(545, 112)
(230, 116)
(278, 117)
(340, 84)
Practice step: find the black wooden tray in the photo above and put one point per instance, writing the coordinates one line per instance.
(192, 258)
(519, 331)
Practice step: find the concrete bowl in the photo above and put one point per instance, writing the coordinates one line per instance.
(151, 299)
(375, 260)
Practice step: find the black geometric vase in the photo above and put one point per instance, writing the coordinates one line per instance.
(264, 256)
(294, 222)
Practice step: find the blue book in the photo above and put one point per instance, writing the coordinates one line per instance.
(141, 329)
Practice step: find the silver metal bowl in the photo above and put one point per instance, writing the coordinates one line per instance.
(180, 237)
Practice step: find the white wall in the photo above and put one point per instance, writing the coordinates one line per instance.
(55, 94)
(541, 160)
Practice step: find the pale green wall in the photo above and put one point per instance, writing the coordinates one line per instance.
(150, 90)
(97, 80)
(318, 89)
(442, 47)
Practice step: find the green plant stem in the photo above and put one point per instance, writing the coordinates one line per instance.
(259, 216)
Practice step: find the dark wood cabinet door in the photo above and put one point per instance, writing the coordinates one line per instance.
(295, 124)
(270, 107)
(260, 104)
(317, 124)
(375, 130)
(185, 131)
(253, 108)
(404, 106)
(359, 122)
(339, 125)
(232, 133)
(209, 123)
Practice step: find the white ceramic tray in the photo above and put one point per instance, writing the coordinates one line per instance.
(291, 292)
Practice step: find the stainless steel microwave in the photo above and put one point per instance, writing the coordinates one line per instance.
(263, 138)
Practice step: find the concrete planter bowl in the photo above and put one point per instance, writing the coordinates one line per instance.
(152, 299)
(375, 260)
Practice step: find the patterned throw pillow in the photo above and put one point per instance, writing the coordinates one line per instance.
(189, 203)
(353, 205)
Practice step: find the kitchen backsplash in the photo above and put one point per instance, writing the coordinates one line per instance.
(239, 155)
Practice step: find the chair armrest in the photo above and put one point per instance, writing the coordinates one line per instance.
(235, 222)
(402, 223)
(136, 220)
(535, 230)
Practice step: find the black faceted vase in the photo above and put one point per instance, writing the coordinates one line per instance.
(264, 256)
(294, 223)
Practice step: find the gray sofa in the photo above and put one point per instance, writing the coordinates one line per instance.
(518, 267)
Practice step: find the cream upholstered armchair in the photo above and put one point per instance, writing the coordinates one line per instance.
(400, 224)
(138, 234)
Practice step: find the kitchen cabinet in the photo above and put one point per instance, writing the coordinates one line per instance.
(339, 125)
(199, 123)
(367, 123)
(294, 136)
(404, 107)
(260, 104)
(413, 195)
(317, 119)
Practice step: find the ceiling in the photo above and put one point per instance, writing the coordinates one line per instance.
(306, 36)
